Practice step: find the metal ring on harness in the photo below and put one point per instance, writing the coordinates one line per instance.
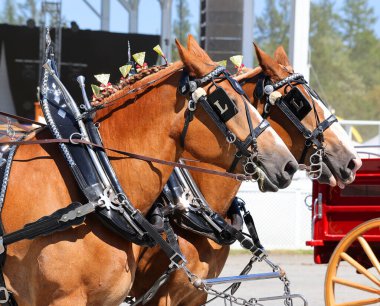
(6, 295)
(192, 105)
(231, 137)
(267, 108)
(71, 138)
(250, 168)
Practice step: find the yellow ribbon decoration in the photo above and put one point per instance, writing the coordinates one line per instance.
(95, 89)
(139, 58)
(237, 60)
(103, 78)
(222, 63)
(125, 70)
(159, 50)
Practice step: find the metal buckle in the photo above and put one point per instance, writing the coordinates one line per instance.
(177, 261)
(6, 295)
(192, 105)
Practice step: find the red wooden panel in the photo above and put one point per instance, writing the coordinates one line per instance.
(336, 211)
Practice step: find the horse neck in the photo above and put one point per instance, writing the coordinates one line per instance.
(144, 126)
(218, 191)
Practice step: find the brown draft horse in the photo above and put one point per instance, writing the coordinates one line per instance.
(88, 264)
(206, 258)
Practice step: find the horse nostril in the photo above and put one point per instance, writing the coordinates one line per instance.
(291, 168)
(351, 165)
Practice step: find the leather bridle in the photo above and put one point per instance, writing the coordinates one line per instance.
(248, 147)
(312, 138)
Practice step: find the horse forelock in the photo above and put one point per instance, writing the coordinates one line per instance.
(145, 81)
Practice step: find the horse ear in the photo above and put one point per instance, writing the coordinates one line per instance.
(190, 39)
(281, 57)
(268, 64)
(183, 53)
(185, 56)
(195, 49)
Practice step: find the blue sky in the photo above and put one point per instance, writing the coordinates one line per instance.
(149, 14)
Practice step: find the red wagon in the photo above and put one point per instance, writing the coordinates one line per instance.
(346, 235)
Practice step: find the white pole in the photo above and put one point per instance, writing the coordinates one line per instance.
(247, 37)
(105, 16)
(299, 36)
(166, 20)
(132, 7)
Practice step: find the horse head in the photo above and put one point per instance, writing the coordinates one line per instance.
(322, 139)
(244, 129)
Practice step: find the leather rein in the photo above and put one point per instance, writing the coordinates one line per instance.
(77, 141)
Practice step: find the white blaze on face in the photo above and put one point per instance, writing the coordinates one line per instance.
(277, 141)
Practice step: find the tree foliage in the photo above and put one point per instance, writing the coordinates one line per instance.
(181, 25)
(272, 28)
(9, 14)
(18, 13)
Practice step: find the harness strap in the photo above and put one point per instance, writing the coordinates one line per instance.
(6, 296)
(257, 131)
(303, 154)
(131, 155)
(22, 119)
(171, 237)
(241, 145)
(176, 258)
(253, 141)
(173, 242)
(147, 296)
(306, 132)
(312, 137)
(189, 118)
(248, 220)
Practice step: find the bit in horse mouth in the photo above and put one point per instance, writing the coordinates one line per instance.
(264, 182)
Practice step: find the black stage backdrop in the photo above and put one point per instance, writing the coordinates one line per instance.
(83, 52)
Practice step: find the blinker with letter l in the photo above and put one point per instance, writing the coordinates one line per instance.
(222, 104)
(297, 103)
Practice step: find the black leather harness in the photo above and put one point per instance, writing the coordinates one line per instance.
(189, 85)
(296, 106)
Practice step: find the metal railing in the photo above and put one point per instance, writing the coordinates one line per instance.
(349, 124)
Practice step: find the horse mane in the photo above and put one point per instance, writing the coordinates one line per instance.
(136, 84)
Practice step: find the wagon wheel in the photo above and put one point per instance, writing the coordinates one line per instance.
(370, 291)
